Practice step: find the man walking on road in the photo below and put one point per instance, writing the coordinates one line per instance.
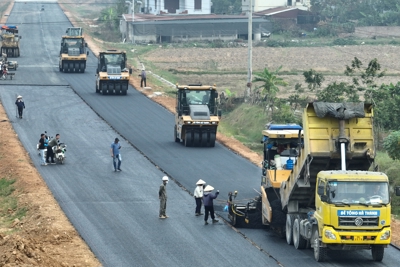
(143, 80)
(20, 105)
(50, 152)
(115, 154)
(162, 195)
(208, 203)
(198, 196)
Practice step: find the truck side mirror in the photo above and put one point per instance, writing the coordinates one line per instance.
(130, 71)
(85, 44)
(87, 52)
(97, 70)
(219, 112)
(397, 190)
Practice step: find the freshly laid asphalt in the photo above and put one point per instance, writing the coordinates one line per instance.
(117, 213)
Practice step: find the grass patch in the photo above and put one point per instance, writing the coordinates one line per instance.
(245, 123)
(9, 209)
(392, 169)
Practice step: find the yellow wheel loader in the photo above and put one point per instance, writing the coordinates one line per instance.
(197, 116)
(112, 73)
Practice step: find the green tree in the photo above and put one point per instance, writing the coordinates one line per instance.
(109, 17)
(386, 101)
(392, 145)
(313, 79)
(226, 6)
(364, 81)
(269, 87)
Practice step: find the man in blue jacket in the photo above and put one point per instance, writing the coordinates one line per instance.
(20, 105)
(115, 154)
(208, 203)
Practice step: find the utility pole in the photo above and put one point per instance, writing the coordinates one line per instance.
(250, 48)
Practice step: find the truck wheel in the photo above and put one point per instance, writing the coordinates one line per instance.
(377, 252)
(196, 138)
(320, 253)
(177, 140)
(212, 139)
(188, 139)
(289, 228)
(203, 139)
(298, 241)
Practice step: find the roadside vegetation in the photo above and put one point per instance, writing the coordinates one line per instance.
(9, 209)
(245, 115)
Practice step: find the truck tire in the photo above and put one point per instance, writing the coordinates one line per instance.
(320, 253)
(298, 241)
(188, 139)
(204, 136)
(212, 139)
(377, 252)
(289, 228)
(196, 138)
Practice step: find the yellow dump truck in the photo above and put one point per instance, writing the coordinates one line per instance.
(112, 74)
(316, 187)
(9, 39)
(197, 116)
(73, 53)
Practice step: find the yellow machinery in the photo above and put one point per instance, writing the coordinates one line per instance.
(73, 54)
(197, 116)
(316, 188)
(112, 73)
(10, 41)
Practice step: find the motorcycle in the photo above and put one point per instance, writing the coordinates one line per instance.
(59, 152)
(4, 73)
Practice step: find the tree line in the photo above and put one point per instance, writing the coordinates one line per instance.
(364, 86)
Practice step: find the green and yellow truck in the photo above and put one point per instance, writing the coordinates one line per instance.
(317, 187)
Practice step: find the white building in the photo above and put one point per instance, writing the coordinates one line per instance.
(157, 7)
(260, 5)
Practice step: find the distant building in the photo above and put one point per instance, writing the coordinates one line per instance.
(185, 26)
(157, 7)
(260, 5)
(145, 28)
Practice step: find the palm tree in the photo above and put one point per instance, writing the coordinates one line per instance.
(269, 88)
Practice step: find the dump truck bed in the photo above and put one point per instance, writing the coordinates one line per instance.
(321, 151)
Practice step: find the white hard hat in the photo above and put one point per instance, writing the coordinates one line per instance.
(208, 188)
(19, 96)
(165, 178)
(200, 182)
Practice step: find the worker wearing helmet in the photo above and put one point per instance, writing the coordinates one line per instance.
(208, 203)
(162, 195)
(198, 196)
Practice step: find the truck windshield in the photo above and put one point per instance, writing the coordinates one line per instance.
(72, 42)
(372, 193)
(200, 97)
(114, 59)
